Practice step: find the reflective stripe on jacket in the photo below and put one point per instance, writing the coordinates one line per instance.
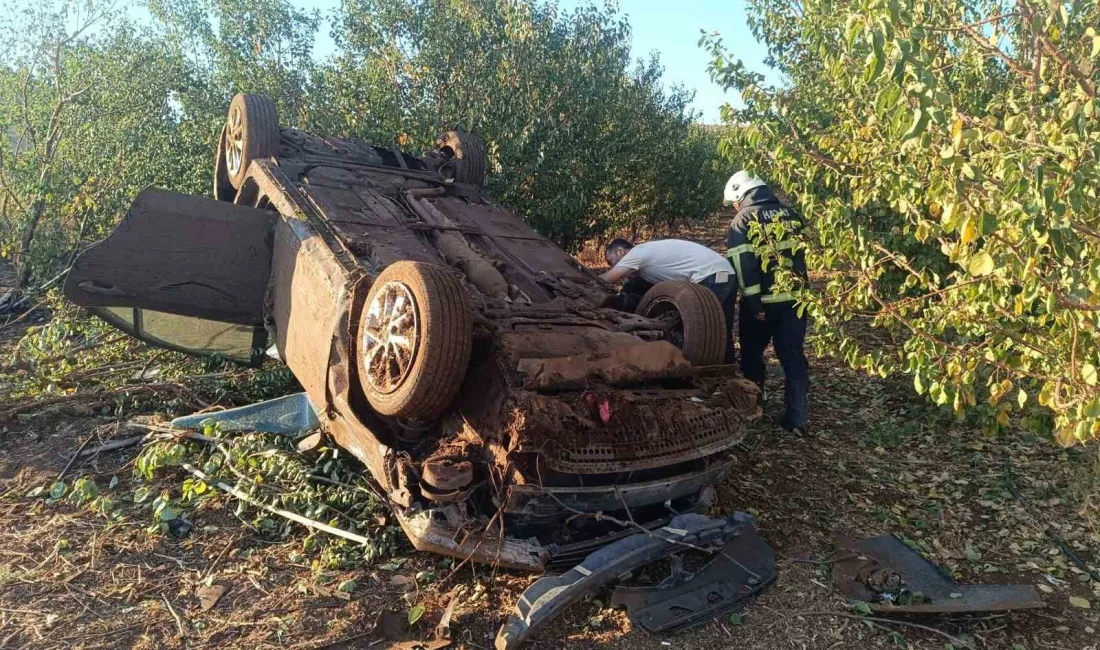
(761, 206)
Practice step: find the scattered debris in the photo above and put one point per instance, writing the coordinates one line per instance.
(441, 637)
(290, 414)
(741, 570)
(210, 595)
(404, 583)
(548, 596)
(891, 577)
(179, 527)
(310, 443)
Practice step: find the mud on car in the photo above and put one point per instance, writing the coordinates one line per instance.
(464, 358)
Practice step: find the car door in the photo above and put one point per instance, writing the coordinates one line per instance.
(182, 272)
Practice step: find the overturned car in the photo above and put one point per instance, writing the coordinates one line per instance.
(465, 359)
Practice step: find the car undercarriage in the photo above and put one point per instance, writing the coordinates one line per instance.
(467, 361)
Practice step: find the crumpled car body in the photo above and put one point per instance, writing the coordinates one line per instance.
(558, 409)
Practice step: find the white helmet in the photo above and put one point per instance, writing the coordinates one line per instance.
(739, 185)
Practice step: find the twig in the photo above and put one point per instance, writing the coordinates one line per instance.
(828, 560)
(25, 314)
(172, 611)
(114, 444)
(210, 569)
(83, 347)
(94, 398)
(293, 516)
(950, 637)
(1073, 557)
(72, 460)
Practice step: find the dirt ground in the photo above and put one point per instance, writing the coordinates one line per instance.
(877, 460)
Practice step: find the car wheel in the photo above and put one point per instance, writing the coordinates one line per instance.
(251, 132)
(465, 153)
(223, 189)
(414, 341)
(697, 325)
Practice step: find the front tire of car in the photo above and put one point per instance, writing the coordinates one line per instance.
(414, 341)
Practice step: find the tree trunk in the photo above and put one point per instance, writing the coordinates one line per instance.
(22, 259)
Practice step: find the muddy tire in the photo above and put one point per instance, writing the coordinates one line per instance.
(223, 189)
(467, 155)
(701, 326)
(414, 341)
(251, 132)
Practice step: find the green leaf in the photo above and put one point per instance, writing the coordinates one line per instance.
(1079, 602)
(873, 67)
(917, 126)
(1088, 374)
(415, 614)
(141, 494)
(735, 618)
(981, 264)
(863, 608)
(347, 586)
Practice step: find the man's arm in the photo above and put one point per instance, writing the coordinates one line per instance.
(619, 272)
(742, 255)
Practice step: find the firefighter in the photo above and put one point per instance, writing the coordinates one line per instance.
(768, 317)
(672, 259)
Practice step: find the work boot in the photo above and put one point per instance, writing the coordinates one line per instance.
(785, 423)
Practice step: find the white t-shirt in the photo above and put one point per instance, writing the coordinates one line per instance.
(674, 259)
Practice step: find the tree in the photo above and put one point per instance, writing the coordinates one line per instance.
(947, 156)
(97, 104)
(580, 142)
(83, 106)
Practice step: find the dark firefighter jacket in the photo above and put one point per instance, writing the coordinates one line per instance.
(762, 206)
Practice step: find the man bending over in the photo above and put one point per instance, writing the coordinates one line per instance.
(647, 264)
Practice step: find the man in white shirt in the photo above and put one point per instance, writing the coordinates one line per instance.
(674, 259)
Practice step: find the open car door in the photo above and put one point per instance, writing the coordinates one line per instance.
(182, 272)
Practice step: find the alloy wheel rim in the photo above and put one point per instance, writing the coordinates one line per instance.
(390, 337)
(234, 141)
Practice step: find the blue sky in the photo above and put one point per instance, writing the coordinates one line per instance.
(671, 28)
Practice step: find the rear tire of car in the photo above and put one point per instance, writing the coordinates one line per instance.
(700, 313)
(420, 380)
(252, 132)
(468, 156)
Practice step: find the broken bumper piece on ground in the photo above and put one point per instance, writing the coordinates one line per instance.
(744, 564)
(738, 572)
(894, 578)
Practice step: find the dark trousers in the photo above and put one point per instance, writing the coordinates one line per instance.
(726, 292)
(782, 327)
